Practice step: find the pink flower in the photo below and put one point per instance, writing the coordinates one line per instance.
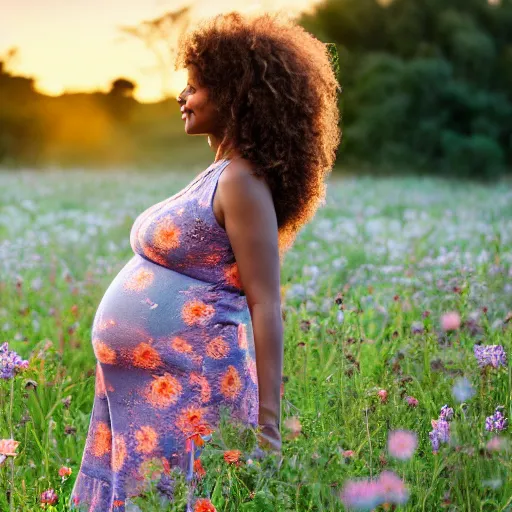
(393, 488)
(361, 494)
(364, 494)
(347, 453)
(497, 444)
(450, 321)
(383, 395)
(49, 497)
(411, 401)
(402, 444)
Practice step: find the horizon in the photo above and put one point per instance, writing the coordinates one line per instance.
(65, 64)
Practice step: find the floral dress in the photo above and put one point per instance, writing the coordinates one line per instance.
(174, 342)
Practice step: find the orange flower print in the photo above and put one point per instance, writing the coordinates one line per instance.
(191, 421)
(196, 312)
(152, 255)
(102, 441)
(232, 276)
(180, 345)
(198, 468)
(147, 439)
(119, 452)
(118, 503)
(212, 259)
(164, 390)
(217, 348)
(103, 352)
(242, 336)
(166, 235)
(100, 382)
(145, 356)
(231, 384)
(252, 369)
(139, 280)
(201, 380)
(204, 505)
(232, 456)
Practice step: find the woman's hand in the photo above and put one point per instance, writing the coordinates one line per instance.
(269, 437)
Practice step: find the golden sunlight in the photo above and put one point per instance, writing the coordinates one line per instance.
(79, 46)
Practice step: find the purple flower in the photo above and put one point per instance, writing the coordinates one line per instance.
(490, 355)
(497, 422)
(441, 432)
(446, 413)
(434, 440)
(10, 362)
(417, 328)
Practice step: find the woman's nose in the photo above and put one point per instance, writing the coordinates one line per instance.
(182, 97)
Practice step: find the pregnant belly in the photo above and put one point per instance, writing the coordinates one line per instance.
(155, 319)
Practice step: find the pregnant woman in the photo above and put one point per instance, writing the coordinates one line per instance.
(192, 323)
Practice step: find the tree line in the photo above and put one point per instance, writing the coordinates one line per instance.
(426, 86)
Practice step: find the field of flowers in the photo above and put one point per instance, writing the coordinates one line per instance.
(397, 304)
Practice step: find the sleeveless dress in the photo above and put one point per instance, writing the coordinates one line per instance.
(174, 342)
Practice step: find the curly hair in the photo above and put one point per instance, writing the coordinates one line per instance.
(275, 91)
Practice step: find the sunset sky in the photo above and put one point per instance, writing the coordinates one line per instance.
(76, 45)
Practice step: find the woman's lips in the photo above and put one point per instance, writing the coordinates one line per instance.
(185, 114)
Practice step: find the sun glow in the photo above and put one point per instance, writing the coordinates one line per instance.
(78, 46)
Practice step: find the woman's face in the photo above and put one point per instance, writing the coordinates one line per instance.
(198, 113)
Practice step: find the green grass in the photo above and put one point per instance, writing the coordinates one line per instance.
(398, 251)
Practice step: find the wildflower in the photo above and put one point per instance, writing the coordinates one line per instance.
(462, 389)
(402, 444)
(204, 505)
(446, 412)
(7, 449)
(441, 428)
(347, 453)
(411, 401)
(166, 486)
(361, 494)
(497, 422)
(10, 362)
(383, 395)
(497, 444)
(294, 426)
(490, 355)
(64, 472)
(369, 494)
(393, 488)
(450, 321)
(48, 497)
(198, 468)
(232, 456)
(417, 328)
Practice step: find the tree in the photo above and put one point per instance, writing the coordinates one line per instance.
(161, 36)
(122, 87)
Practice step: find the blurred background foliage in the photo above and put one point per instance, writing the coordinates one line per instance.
(426, 87)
